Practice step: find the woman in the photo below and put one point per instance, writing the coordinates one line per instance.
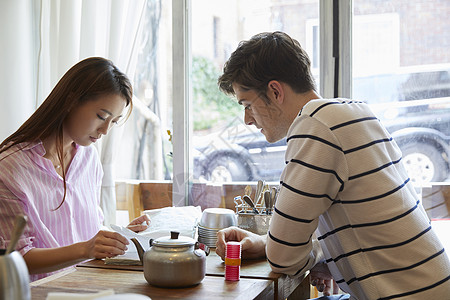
(50, 171)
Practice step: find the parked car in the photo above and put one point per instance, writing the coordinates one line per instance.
(421, 129)
(244, 157)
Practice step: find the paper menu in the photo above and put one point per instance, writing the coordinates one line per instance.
(162, 221)
(131, 256)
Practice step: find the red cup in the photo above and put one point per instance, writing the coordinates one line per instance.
(232, 261)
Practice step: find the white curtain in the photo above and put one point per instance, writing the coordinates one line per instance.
(17, 64)
(67, 32)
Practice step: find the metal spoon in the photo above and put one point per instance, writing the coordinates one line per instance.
(267, 201)
(259, 189)
(250, 203)
(273, 198)
(248, 190)
(21, 221)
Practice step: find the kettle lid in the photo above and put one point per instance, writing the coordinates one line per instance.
(174, 240)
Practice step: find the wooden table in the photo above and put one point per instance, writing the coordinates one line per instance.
(88, 280)
(283, 286)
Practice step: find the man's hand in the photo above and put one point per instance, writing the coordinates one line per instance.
(321, 278)
(252, 245)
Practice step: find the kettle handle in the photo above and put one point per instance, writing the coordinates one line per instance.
(203, 247)
(139, 249)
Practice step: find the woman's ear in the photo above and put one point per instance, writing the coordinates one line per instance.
(275, 91)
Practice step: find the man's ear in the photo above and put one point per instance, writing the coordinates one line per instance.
(275, 91)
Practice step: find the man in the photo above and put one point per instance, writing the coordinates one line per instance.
(343, 180)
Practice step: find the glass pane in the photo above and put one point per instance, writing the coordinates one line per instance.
(401, 65)
(145, 151)
(225, 149)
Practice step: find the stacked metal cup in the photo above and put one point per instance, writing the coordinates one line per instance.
(232, 261)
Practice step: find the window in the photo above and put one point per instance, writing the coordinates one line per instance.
(145, 151)
(225, 149)
(400, 56)
(389, 64)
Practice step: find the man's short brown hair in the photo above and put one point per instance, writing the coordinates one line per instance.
(268, 56)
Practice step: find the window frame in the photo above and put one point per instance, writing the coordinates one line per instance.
(182, 131)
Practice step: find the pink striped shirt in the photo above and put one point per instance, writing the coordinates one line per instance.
(30, 185)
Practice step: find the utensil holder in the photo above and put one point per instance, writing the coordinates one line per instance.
(258, 224)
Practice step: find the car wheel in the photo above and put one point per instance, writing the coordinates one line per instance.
(424, 163)
(227, 169)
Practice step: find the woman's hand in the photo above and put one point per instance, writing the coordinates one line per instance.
(252, 245)
(321, 278)
(139, 224)
(105, 244)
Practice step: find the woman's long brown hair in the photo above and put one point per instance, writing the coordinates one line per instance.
(85, 81)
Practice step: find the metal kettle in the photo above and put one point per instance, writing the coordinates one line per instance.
(173, 261)
(14, 277)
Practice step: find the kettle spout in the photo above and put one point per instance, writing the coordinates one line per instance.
(139, 249)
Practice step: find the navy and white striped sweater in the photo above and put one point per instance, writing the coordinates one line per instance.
(344, 177)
